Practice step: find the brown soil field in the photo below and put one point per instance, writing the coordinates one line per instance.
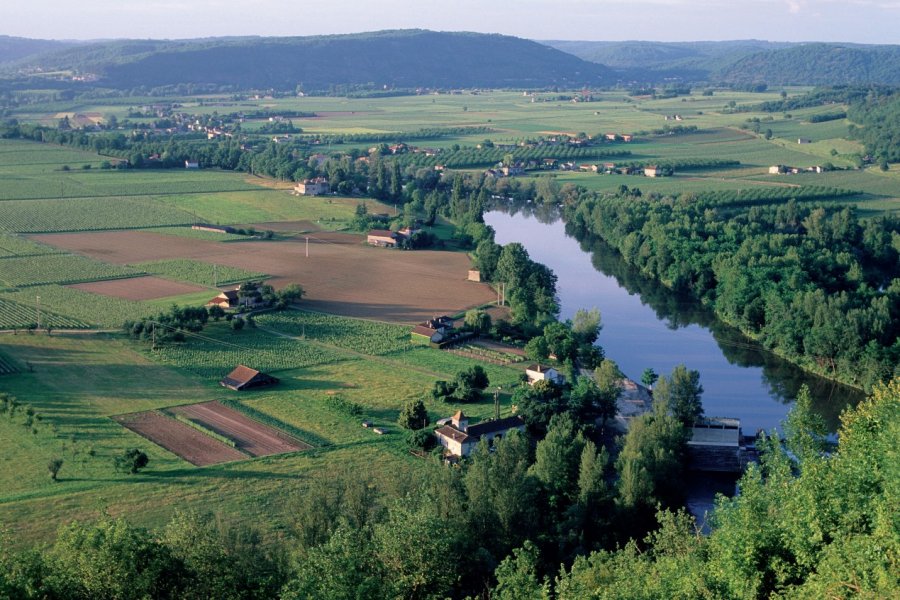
(139, 288)
(251, 436)
(193, 446)
(342, 275)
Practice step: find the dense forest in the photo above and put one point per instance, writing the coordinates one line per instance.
(812, 283)
(817, 64)
(551, 520)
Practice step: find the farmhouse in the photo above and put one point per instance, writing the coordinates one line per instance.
(460, 438)
(434, 329)
(652, 171)
(312, 187)
(242, 378)
(539, 372)
(777, 169)
(384, 238)
(225, 299)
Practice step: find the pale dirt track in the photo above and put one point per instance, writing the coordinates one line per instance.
(342, 275)
(252, 437)
(193, 446)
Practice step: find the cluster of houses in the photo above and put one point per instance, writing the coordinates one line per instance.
(552, 164)
(786, 170)
(674, 118)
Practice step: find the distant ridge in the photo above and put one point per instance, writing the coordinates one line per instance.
(744, 61)
(818, 64)
(17, 48)
(404, 58)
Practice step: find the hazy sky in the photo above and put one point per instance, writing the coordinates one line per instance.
(864, 21)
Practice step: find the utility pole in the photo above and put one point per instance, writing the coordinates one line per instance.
(497, 403)
(307, 246)
(37, 307)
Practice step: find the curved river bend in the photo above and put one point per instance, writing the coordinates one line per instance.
(646, 325)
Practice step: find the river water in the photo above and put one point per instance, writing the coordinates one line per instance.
(646, 325)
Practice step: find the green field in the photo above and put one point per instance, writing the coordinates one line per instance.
(195, 271)
(58, 268)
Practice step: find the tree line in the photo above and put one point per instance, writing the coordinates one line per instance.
(813, 283)
(551, 520)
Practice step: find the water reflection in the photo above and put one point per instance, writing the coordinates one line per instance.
(647, 325)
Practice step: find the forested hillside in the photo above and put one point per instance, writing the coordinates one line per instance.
(16, 48)
(652, 60)
(817, 64)
(744, 62)
(407, 59)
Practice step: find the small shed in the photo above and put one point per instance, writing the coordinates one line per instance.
(474, 275)
(243, 377)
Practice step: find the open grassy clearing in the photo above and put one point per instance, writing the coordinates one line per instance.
(263, 205)
(368, 337)
(199, 272)
(219, 349)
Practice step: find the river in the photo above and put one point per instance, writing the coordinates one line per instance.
(647, 325)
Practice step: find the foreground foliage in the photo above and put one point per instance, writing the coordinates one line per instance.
(814, 525)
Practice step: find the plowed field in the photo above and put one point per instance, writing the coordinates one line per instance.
(193, 446)
(251, 436)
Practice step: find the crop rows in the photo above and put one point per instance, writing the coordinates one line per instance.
(213, 357)
(58, 268)
(88, 214)
(196, 271)
(474, 157)
(97, 183)
(768, 195)
(82, 308)
(505, 357)
(16, 245)
(7, 366)
(198, 234)
(14, 315)
(368, 337)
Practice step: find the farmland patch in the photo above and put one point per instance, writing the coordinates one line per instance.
(252, 437)
(138, 288)
(199, 272)
(58, 268)
(88, 214)
(178, 438)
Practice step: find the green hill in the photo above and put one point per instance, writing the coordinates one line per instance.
(16, 48)
(406, 59)
(818, 64)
